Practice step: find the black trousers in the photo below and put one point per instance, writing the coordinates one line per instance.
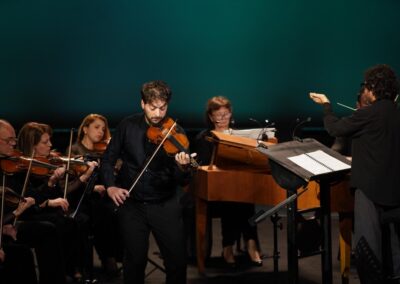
(136, 220)
(234, 221)
(107, 239)
(18, 266)
(43, 236)
(382, 240)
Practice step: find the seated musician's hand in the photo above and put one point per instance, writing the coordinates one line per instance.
(23, 205)
(183, 158)
(117, 194)
(100, 189)
(11, 231)
(59, 202)
(2, 255)
(319, 98)
(56, 176)
(86, 175)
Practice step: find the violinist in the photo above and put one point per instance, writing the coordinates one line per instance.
(152, 205)
(49, 194)
(93, 136)
(37, 234)
(18, 266)
(234, 215)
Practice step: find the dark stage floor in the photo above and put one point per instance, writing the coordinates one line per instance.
(309, 268)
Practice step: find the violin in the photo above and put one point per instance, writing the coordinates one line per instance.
(78, 166)
(176, 141)
(17, 162)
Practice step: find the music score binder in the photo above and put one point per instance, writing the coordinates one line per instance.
(307, 159)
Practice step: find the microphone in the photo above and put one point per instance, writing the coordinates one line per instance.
(262, 135)
(231, 122)
(299, 123)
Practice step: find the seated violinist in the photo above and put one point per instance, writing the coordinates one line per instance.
(49, 193)
(37, 234)
(16, 259)
(92, 139)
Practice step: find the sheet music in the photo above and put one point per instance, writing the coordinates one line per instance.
(329, 161)
(318, 162)
(253, 133)
(309, 164)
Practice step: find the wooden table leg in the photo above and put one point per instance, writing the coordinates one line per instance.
(345, 229)
(201, 222)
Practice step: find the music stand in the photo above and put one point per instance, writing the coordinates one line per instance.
(293, 164)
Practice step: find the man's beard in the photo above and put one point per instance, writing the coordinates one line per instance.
(155, 121)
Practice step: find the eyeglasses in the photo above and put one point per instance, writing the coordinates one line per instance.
(9, 140)
(220, 116)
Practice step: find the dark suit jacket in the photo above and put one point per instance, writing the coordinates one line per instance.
(375, 133)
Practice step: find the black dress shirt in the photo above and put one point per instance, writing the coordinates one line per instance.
(375, 133)
(130, 143)
(203, 147)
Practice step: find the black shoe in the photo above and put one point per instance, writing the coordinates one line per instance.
(110, 268)
(256, 262)
(77, 277)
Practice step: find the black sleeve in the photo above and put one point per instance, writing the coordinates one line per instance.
(203, 148)
(111, 156)
(346, 126)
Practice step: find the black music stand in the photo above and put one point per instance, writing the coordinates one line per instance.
(293, 164)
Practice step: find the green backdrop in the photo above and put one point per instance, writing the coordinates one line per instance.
(60, 60)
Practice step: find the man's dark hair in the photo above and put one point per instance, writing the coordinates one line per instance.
(155, 90)
(382, 81)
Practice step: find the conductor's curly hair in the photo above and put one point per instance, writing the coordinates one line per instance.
(382, 81)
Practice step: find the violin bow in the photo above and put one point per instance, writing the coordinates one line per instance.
(25, 186)
(152, 157)
(89, 186)
(3, 195)
(28, 172)
(71, 134)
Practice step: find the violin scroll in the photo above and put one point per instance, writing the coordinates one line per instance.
(101, 146)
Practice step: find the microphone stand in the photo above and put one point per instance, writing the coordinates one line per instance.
(294, 137)
(262, 132)
(262, 214)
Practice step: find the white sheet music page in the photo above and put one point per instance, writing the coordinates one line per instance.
(319, 162)
(309, 164)
(253, 133)
(328, 161)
